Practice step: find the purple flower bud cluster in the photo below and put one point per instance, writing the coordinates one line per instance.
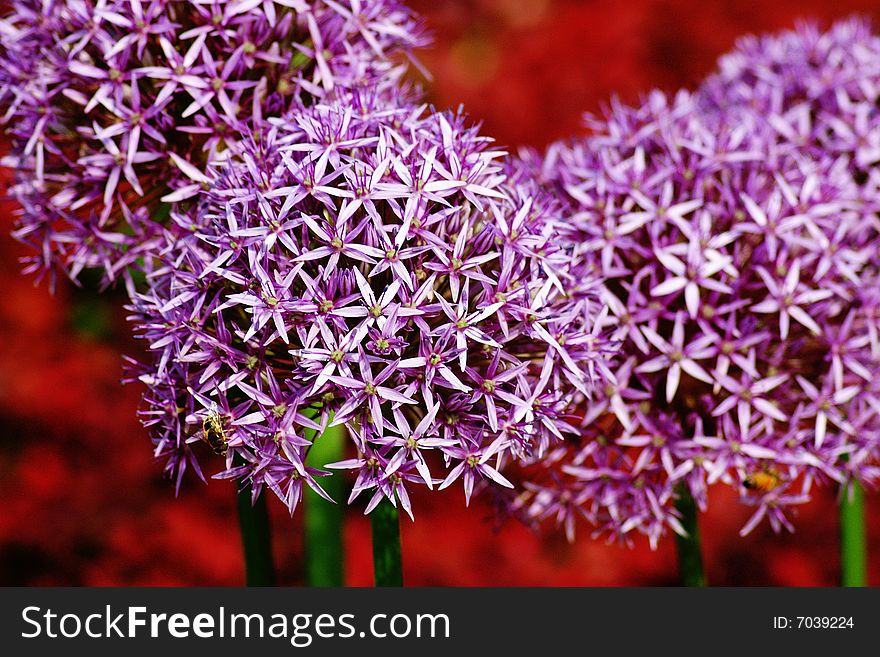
(375, 264)
(116, 107)
(740, 273)
(817, 90)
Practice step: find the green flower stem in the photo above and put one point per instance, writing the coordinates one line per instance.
(690, 558)
(387, 563)
(853, 541)
(323, 519)
(253, 519)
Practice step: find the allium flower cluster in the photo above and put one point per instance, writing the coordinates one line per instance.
(370, 264)
(738, 272)
(817, 90)
(116, 107)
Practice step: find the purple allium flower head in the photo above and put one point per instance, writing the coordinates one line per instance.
(817, 89)
(116, 107)
(374, 264)
(741, 278)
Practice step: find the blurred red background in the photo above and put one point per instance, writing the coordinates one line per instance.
(83, 503)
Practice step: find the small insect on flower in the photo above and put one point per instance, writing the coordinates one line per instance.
(763, 481)
(213, 434)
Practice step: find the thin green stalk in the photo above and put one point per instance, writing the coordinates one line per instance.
(853, 541)
(387, 563)
(324, 520)
(253, 519)
(690, 558)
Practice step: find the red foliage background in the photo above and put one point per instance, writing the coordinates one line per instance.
(83, 503)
